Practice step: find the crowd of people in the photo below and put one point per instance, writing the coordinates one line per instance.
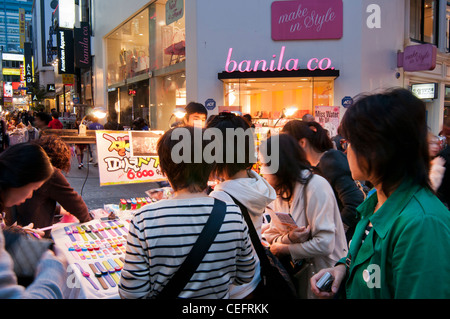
(369, 207)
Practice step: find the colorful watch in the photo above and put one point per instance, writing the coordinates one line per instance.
(105, 274)
(87, 276)
(101, 230)
(115, 227)
(72, 251)
(69, 233)
(88, 231)
(82, 233)
(114, 265)
(99, 277)
(96, 232)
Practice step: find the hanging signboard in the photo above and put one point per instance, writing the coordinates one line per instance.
(328, 117)
(174, 10)
(28, 67)
(65, 52)
(82, 39)
(117, 165)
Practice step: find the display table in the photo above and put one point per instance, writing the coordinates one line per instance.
(95, 252)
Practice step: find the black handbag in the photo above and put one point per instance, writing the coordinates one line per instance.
(276, 282)
(182, 276)
(26, 252)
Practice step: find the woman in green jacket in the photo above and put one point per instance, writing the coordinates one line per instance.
(400, 248)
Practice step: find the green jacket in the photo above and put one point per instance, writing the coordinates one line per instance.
(407, 252)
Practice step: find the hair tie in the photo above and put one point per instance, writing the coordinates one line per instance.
(313, 128)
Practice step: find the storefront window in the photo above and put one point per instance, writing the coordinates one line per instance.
(146, 54)
(170, 94)
(423, 21)
(266, 98)
(127, 49)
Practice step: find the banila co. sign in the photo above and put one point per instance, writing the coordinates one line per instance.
(307, 20)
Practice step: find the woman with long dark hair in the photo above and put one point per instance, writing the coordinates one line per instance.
(330, 164)
(400, 247)
(23, 169)
(309, 199)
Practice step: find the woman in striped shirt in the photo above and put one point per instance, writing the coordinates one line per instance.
(162, 234)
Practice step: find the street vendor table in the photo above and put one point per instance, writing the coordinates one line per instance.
(95, 252)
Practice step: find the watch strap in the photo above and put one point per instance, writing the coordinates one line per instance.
(99, 277)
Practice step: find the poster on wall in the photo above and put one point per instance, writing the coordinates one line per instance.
(116, 164)
(328, 117)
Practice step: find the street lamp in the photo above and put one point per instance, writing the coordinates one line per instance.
(99, 112)
(179, 113)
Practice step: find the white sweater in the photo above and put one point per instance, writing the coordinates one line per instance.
(255, 193)
(327, 243)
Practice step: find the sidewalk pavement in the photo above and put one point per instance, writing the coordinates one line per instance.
(86, 182)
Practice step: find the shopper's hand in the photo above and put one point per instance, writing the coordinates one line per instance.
(56, 253)
(300, 234)
(337, 272)
(279, 249)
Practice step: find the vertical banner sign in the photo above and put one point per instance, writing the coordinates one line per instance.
(82, 38)
(28, 67)
(22, 27)
(65, 51)
(328, 117)
(116, 164)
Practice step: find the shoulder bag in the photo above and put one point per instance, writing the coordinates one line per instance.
(276, 282)
(182, 276)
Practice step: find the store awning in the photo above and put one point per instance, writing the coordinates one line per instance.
(278, 74)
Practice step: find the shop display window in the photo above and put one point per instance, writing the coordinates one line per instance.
(424, 21)
(146, 54)
(265, 99)
(127, 49)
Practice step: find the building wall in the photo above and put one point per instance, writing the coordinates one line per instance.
(366, 58)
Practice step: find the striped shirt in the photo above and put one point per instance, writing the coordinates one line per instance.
(161, 236)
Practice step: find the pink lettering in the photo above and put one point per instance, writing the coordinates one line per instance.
(279, 68)
(263, 68)
(247, 68)
(310, 62)
(274, 65)
(295, 67)
(229, 61)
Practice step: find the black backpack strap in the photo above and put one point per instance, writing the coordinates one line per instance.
(182, 276)
(256, 241)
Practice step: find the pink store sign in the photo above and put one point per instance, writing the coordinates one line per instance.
(420, 57)
(307, 20)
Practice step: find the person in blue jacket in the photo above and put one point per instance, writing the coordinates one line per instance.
(400, 246)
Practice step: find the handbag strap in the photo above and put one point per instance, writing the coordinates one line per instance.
(198, 251)
(253, 235)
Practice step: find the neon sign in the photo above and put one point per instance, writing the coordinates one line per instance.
(275, 64)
